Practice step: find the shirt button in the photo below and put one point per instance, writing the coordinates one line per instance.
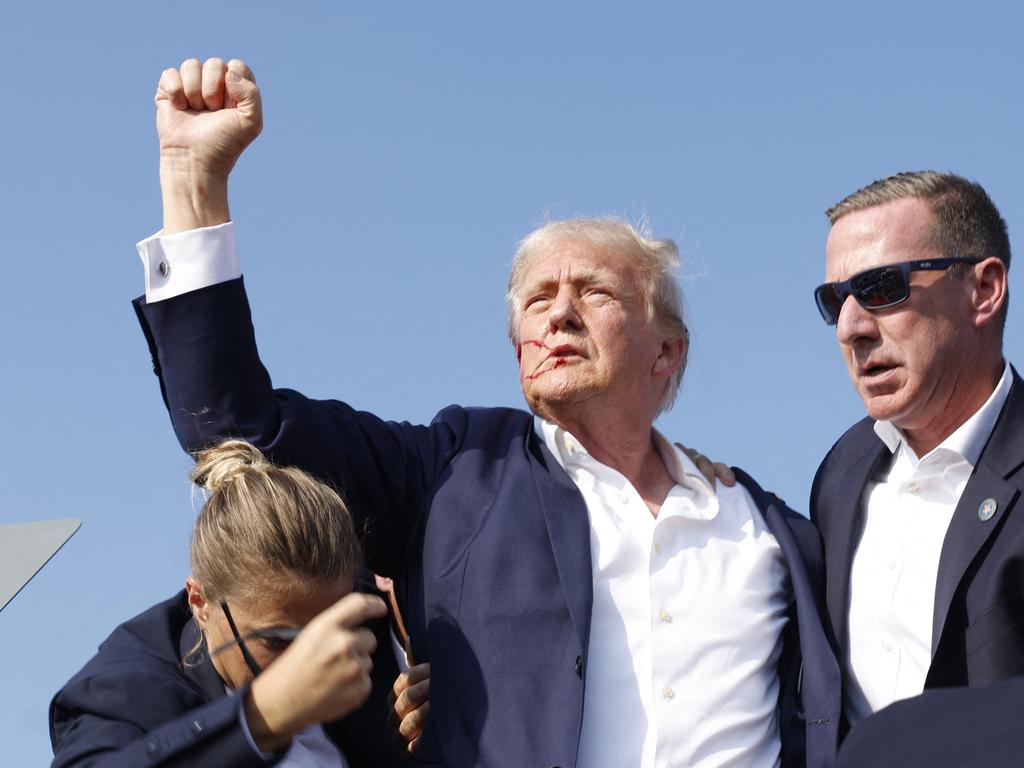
(886, 645)
(163, 268)
(668, 693)
(624, 497)
(657, 548)
(914, 488)
(665, 616)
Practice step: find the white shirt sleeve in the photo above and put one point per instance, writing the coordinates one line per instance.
(187, 261)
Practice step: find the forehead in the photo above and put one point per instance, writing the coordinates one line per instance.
(577, 260)
(884, 234)
(294, 607)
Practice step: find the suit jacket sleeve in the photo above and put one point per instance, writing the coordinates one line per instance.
(94, 723)
(215, 387)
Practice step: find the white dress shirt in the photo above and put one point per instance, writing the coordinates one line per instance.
(687, 620)
(892, 582)
(689, 607)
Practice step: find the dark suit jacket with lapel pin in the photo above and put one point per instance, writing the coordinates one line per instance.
(487, 535)
(978, 626)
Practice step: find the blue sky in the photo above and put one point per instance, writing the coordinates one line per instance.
(406, 149)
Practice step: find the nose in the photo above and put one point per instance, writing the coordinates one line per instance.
(855, 323)
(563, 314)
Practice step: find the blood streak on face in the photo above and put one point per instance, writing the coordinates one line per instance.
(560, 354)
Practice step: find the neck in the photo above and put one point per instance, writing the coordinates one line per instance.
(972, 388)
(624, 443)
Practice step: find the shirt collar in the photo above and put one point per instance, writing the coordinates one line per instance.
(569, 453)
(970, 437)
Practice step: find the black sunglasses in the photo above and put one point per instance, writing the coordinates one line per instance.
(283, 634)
(878, 288)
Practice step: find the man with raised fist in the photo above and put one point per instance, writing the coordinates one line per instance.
(583, 595)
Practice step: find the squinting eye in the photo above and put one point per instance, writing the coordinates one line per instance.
(275, 644)
(535, 303)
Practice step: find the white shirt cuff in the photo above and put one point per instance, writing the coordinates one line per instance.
(187, 261)
(265, 756)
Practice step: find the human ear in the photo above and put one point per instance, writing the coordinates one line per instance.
(197, 600)
(989, 292)
(672, 356)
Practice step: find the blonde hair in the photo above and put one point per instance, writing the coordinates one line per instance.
(266, 528)
(655, 261)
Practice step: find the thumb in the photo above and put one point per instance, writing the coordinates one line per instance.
(244, 94)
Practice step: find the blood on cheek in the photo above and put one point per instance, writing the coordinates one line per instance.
(559, 362)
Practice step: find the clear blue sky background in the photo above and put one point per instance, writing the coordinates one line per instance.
(407, 148)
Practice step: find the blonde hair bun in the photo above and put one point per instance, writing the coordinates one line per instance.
(221, 464)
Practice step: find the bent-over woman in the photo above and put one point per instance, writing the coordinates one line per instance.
(263, 658)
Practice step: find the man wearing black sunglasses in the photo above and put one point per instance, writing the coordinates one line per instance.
(917, 503)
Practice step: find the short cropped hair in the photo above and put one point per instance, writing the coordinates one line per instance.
(655, 261)
(965, 221)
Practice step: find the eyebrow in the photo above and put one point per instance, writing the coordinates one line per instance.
(584, 276)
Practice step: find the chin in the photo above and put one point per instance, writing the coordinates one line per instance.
(886, 407)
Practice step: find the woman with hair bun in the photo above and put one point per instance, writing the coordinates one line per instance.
(262, 659)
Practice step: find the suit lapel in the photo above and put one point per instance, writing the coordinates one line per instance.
(967, 532)
(569, 532)
(845, 520)
(819, 670)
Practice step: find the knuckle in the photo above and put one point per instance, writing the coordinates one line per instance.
(345, 645)
(402, 705)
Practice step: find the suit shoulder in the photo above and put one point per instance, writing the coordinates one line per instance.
(762, 498)
(148, 641)
(859, 435)
(494, 422)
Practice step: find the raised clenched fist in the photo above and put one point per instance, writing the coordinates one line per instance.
(206, 114)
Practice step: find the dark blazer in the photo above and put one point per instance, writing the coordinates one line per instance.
(978, 626)
(135, 704)
(943, 728)
(484, 532)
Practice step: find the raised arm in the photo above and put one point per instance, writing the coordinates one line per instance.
(202, 340)
(206, 115)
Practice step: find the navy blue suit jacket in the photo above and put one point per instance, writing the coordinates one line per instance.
(978, 617)
(943, 728)
(135, 704)
(484, 531)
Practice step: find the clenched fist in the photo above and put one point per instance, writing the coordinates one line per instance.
(206, 115)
